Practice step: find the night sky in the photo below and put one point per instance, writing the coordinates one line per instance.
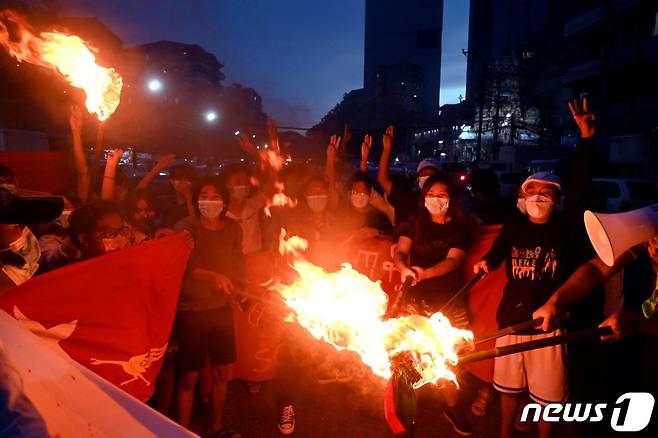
(300, 55)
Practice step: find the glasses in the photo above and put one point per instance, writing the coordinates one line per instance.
(111, 233)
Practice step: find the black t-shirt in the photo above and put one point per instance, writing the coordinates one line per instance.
(403, 200)
(539, 259)
(348, 220)
(214, 250)
(431, 243)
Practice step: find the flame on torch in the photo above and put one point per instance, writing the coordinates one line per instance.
(70, 56)
(346, 310)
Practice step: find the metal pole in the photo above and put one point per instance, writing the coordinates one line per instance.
(465, 288)
(506, 350)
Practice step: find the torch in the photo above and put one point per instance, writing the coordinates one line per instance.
(72, 58)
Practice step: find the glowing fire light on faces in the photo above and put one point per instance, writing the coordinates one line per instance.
(70, 56)
(346, 310)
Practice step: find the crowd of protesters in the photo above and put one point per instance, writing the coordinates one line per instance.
(549, 263)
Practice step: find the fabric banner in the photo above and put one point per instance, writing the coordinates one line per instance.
(46, 172)
(112, 314)
(259, 327)
(71, 400)
(484, 297)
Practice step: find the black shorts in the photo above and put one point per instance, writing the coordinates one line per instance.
(204, 334)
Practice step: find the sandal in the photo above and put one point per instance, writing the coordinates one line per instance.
(482, 401)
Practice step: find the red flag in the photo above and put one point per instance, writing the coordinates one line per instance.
(112, 314)
(484, 297)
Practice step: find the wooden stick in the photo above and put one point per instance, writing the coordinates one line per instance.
(98, 150)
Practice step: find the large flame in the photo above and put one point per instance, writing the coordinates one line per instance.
(346, 309)
(68, 55)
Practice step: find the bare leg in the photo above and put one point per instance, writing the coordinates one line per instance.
(164, 389)
(205, 382)
(220, 374)
(185, 397)
(509, 403)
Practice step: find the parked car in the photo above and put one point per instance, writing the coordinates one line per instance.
(616, 194)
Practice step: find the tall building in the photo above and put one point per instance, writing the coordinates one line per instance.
(404, 34)
(611, 54)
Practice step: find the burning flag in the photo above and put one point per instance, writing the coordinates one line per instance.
(69, 55)
(346, 309)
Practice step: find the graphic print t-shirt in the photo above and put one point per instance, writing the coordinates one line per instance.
(537, 260)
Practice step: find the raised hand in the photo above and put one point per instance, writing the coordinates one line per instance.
(387, 139)
(76, 118)
(114, 157)
(333, 148)
(247, 145)
(347, 135)
(583, 118)
(164, 162)
(366, 146)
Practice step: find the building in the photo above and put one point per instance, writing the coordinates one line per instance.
(611, 54)
(404, 34)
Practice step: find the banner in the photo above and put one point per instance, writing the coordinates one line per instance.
(112, 314)
(71, 400)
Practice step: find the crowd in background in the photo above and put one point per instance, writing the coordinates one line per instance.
(430, 221)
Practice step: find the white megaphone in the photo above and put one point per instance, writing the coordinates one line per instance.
(613, 234)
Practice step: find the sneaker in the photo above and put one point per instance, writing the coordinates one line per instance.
(457, 421)
(287, 421)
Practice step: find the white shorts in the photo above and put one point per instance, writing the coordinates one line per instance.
(542, 373)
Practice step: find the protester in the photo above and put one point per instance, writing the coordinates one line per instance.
(397, 189)
(359, 218)
(489, 208)
(144, 216)
(539, 255)
(204, 323)
(19, 248)
(99, 228)
(430, 251)
(245, 206)
(182, 177)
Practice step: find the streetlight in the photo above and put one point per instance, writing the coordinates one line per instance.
(211, 116)
(154, 85)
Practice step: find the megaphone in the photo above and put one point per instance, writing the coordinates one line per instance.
(613, 234)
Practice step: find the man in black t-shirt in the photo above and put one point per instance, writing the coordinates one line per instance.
(541, 249)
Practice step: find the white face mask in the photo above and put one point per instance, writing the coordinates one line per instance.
(115, 243)
(436, 205)
(240, 193)
(421, 181)
(539, 206)
(26, 246)
(317, 203)
(63, 219)
(359, 200)
(211, 209)
(520, 204)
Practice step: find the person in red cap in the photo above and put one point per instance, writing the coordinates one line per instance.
(540, 250)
